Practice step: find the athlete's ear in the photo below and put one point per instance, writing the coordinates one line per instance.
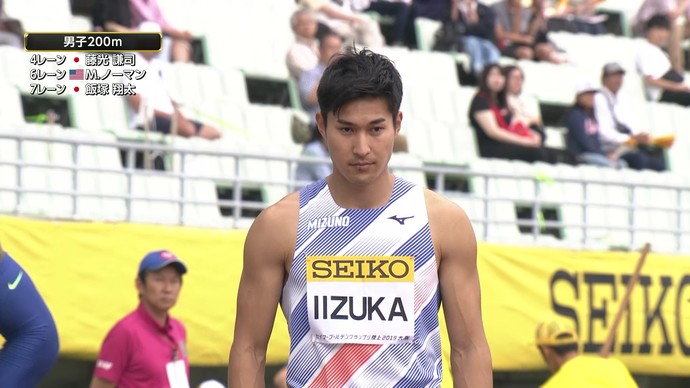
(321, 124)
(398, 122)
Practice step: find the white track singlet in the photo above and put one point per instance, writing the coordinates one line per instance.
(362, 296)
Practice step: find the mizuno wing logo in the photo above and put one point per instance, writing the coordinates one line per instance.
(401, 220)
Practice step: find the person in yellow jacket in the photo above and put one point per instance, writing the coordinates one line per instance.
(559, 345)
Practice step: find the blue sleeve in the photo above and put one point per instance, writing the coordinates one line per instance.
(26, 323)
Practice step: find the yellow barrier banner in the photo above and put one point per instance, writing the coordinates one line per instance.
(86, 273)
(521, 285)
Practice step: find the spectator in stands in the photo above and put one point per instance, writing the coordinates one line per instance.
(577, 16)
(113, 16)
(116, 16)
(498, 135)
(432, 9)
(478, 38)
(617, 125)
(662, 81)
(674, 10)
(11, 30)
(310, 172)
(151, 96)
(304, 53)
(330, 45)
(403, 13)
(520, 35)
(149, 11)
(583, 131)
(340, 17)
(522, 107)
(147, 348)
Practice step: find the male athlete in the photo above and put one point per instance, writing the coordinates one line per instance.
(558, 345)
(362, 259)
(28, 327)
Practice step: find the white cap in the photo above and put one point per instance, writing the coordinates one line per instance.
(211, 384)
(585, 87)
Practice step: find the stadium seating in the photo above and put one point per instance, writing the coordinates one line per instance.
(81, 176)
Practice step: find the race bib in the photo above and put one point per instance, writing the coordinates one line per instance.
(361, 299)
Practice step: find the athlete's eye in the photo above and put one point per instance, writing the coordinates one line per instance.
(345, 129)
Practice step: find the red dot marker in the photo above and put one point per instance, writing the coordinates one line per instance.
(76, 88)
(76, 59)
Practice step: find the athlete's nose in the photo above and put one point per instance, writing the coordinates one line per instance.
(360, 145)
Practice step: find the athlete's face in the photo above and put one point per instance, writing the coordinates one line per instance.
(360, 139)
(161, 288)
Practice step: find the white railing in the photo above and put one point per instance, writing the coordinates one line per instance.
(239, 181)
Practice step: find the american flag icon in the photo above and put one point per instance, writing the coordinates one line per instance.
(76, 74)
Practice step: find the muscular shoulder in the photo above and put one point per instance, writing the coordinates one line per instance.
(442, 210)
(276, 224)
(280, 215)
(448, 222)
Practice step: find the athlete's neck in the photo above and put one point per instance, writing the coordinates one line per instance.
(161, 317)
(369, 195)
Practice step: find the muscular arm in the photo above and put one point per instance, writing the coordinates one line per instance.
(470, 357)
(259, 291)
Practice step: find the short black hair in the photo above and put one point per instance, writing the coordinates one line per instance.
(359, 74)
(658, 21)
